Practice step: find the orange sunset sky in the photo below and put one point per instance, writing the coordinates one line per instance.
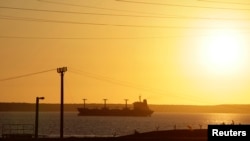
(167, 51)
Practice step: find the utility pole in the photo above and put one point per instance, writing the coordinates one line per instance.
(37, 113)
(61, 71)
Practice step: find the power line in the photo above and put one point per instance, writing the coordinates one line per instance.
(106, 24)
(79, 38)
(224, 2)
(73, 22)
(127, 84)
(94, 7)
(73, 12)
(108, 38)
(85, 38)
(26, 75)
(141, 2)
(120, 15)
(180, 5)
(112, 80)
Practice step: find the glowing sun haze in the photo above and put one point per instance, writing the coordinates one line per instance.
(167, 51)
(224, 52)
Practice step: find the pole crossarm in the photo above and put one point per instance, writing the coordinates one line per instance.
(62, 69)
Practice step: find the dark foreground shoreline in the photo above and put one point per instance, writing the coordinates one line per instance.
(166, 135)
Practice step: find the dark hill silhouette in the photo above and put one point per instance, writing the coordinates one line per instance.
(30, 107)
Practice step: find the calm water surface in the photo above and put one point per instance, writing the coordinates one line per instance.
(49, 122)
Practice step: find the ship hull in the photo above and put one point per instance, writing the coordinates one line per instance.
(113, 112)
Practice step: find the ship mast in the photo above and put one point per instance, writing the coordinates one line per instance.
(105, 103)
(126, 103)
(84, 102)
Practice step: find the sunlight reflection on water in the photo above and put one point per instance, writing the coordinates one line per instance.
(49, 122)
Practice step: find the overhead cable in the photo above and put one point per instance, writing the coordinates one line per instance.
(109, 24)
(182, 5)
(224, 2)
(121, 15)
(26, 75)
(95, 7)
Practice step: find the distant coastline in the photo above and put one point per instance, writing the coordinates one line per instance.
(30, 107)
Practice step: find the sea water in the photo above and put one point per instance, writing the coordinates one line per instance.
(74, 125)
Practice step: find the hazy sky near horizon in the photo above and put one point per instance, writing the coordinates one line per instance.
(167, 51)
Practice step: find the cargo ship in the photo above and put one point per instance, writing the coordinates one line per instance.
(140, 108)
